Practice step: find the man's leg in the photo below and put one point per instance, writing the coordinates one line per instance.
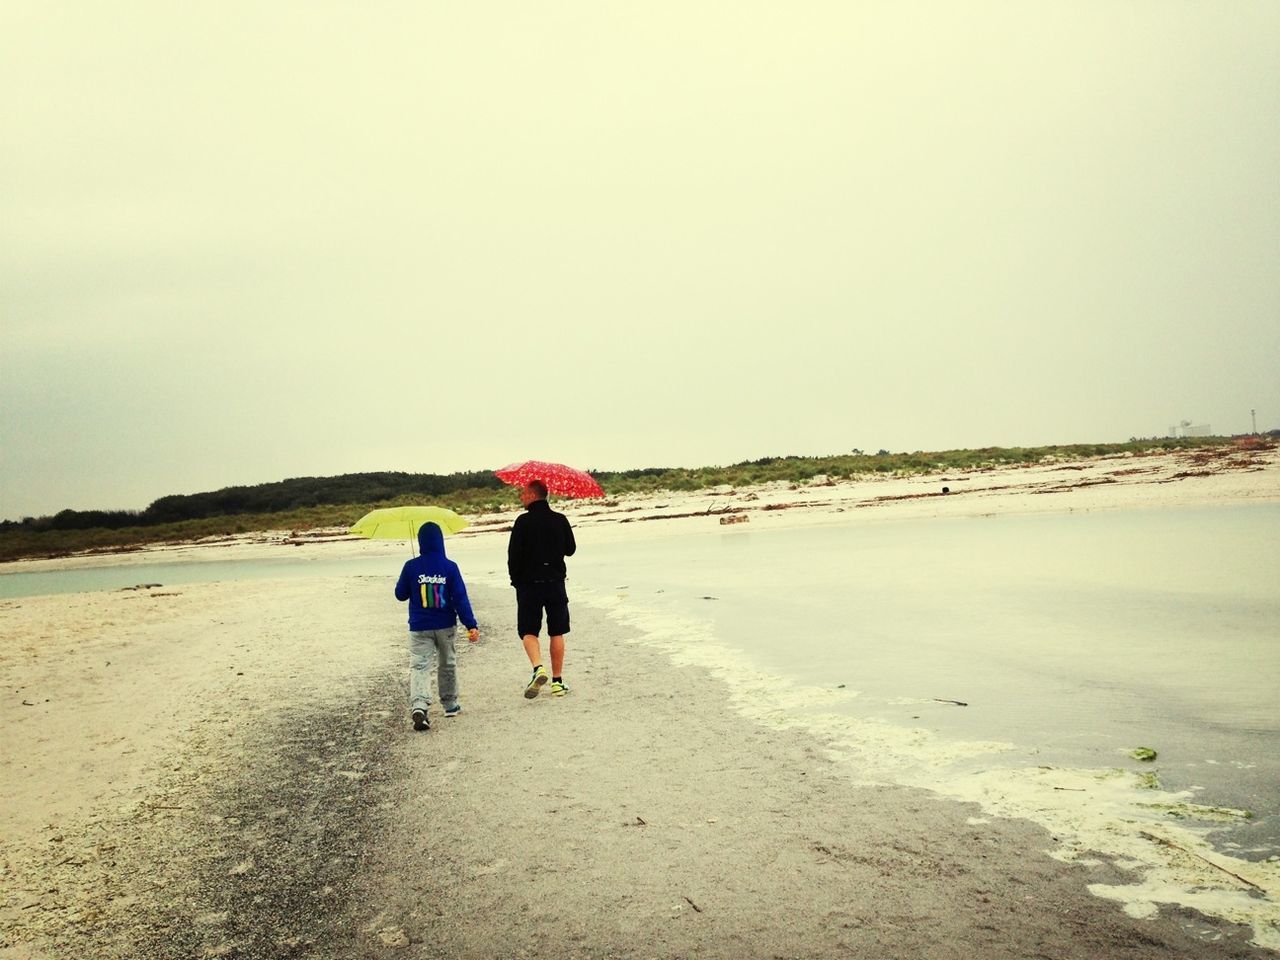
(557, 601)
(532, 649)
(557, 655)
(529, 625)
(540, 676)
(529, 622)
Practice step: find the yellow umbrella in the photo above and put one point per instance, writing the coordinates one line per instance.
(402, 523)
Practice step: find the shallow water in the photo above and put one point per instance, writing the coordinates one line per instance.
(119, 577)
(1071, 638)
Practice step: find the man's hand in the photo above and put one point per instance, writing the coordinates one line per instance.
(473, 635)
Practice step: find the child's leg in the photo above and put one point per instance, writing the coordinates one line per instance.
(422, 657)
(447, 675)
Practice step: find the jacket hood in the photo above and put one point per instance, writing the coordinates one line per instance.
(430, 540)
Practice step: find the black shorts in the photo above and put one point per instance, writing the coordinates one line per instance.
(532, 599)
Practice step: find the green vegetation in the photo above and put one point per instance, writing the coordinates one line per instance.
(859, 464)
(39, 539)
(1194, 811)
(1145, 754)
(306, 503)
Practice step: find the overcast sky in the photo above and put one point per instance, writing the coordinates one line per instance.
(245, 241)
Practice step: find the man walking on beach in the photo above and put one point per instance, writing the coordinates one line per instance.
(540, 540)
(432, 583)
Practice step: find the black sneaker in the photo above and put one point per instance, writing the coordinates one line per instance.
(420, 721)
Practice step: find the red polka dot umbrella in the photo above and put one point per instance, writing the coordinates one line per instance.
(561, 481)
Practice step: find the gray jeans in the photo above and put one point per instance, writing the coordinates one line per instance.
(425, 648)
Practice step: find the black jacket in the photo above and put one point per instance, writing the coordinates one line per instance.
(540, 540)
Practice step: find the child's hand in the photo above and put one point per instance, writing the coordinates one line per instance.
(473, 635)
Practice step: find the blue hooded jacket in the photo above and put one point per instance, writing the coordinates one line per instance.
(432, 583)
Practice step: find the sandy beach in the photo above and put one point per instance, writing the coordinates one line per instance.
(226, 769)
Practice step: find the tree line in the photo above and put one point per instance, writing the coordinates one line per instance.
(278, 497)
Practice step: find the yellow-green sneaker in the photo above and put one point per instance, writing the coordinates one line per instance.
(535, 683)
(559, 688)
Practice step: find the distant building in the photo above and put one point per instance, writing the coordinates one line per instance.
(1188, 429)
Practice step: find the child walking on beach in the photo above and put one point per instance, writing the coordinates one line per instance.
(432, 583)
